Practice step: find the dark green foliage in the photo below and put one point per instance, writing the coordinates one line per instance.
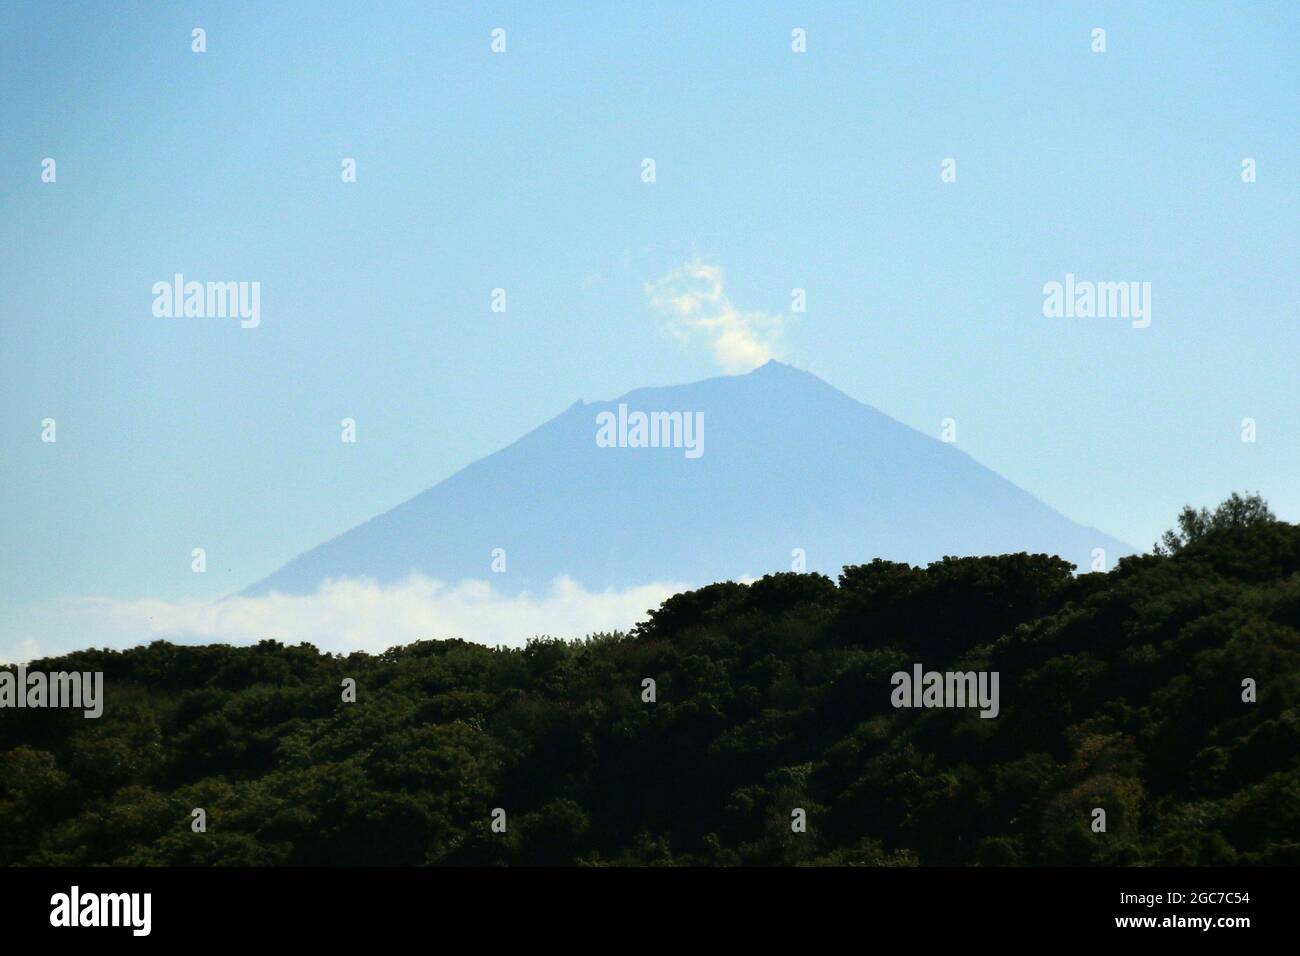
(1120, 690)
(1236, 512)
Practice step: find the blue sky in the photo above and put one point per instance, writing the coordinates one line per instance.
(522, 170)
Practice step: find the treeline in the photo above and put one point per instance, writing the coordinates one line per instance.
(1125, 691)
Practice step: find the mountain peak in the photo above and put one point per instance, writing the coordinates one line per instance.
(776, 461)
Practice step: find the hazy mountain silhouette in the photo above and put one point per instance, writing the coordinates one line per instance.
(788, 462)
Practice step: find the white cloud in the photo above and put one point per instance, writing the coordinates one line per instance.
(694, 297)
(26, 649)
(345, 615)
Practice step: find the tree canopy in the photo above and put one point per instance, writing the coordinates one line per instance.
(1122, 690)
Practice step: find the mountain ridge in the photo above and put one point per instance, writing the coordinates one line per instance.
(777, 442)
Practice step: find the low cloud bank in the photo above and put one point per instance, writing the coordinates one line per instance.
(342, 616)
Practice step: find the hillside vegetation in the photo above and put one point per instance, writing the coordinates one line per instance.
(1119, 690)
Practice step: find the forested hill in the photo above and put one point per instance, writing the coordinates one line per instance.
(1121, 691)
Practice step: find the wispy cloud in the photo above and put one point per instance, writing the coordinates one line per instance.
(694, 298)
(346, 615)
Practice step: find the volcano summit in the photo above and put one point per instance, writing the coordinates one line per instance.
(794, 466)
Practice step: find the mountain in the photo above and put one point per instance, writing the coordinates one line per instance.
(786, 461)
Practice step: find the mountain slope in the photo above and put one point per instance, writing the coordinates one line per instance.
(788, 462)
